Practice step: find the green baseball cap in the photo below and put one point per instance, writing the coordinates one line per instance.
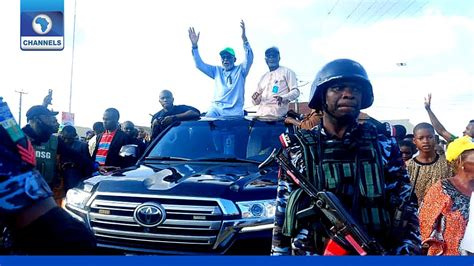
(227, 50)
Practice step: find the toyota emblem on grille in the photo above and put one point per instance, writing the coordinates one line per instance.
(149, 214)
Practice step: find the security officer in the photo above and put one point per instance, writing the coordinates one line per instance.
(37, 225)
(361, 166)
(42, 123)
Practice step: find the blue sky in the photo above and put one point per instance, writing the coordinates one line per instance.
(128, 51)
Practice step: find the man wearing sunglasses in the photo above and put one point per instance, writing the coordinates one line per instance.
(42, 124)
(277, 88)
(229, 78)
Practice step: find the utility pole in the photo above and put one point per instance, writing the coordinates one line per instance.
(72, 59)
(21, 92)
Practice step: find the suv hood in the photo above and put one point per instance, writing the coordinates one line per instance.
(201, 179)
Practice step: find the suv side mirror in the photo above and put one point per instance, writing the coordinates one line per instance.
(129, 150)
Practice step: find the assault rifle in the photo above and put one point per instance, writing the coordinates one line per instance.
(346, 234)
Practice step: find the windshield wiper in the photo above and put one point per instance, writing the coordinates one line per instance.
(166, 158)
(226, 159)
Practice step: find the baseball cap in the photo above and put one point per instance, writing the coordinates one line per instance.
(227, 50)
(38, 110)
(272, 51)
(458, 146)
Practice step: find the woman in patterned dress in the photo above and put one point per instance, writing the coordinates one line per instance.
(445, 209)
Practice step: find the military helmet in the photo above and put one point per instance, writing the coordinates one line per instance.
(336, 71)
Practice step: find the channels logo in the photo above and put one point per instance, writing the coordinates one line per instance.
(42, 25)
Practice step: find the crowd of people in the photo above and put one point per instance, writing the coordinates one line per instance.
(407, 191)
(433, 185)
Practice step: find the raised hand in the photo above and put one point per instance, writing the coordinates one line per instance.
(244, 36)
(428, 102)
(193, 36)
(48, 98)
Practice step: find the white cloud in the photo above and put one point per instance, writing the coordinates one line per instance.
(126, 52)
(383, 44)
(452, 98)
(438, 52)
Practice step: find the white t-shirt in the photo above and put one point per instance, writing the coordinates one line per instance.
(279, 82)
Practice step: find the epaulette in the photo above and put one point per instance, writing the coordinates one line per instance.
(288, 140)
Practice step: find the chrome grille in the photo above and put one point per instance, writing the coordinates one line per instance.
(190, 224)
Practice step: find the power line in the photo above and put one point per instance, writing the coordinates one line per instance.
(420, 8)
(323, 21)
(386, 11)
(365, 12)
(334, 6)
(354, 10)
(350, 14)
(377, 11)
(303, 83)
(405, 9)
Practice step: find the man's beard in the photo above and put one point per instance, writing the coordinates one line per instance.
(45, 135)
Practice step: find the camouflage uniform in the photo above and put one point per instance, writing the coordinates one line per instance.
(310, 240)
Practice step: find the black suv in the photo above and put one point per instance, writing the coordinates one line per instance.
(196, 190)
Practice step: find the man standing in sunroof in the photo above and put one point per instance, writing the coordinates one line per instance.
(228, 99)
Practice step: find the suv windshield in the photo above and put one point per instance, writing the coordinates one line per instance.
(219, 140)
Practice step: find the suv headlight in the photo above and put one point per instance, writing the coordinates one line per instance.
(257, 209)
(77, 198)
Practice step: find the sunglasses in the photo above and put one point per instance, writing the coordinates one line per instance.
(227, 57)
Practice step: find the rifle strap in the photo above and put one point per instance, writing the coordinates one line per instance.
(311, 150)
(290, 224)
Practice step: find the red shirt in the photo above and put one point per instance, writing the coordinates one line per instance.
(104, 146)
